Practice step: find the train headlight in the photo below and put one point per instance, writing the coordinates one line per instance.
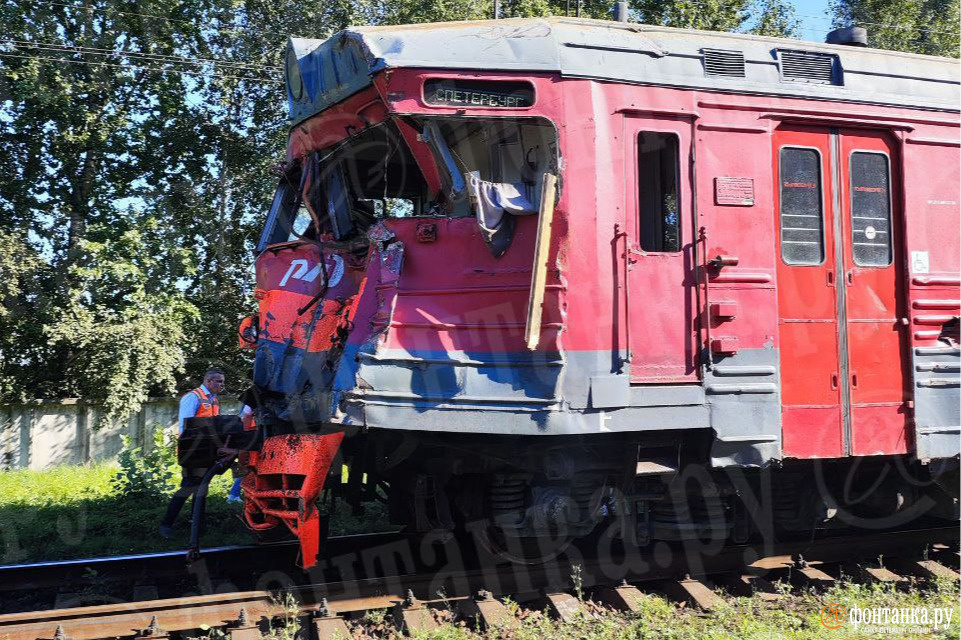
(295, 82)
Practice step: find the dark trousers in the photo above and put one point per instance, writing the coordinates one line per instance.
(189, 482)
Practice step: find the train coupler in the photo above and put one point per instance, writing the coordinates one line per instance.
(286, 487)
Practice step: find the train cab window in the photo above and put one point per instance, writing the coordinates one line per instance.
(659, 169)
(300, 225)
(505, 157)
(289, 219)
(870, 209)
(412, 167)
(801, 216)
(493, 168)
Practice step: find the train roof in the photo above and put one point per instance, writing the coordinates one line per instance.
(343, 64)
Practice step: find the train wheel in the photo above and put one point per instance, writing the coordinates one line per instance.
(522, 550)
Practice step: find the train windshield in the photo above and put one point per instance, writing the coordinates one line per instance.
(416, 167)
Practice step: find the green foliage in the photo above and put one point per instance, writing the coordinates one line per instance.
(777, 19)
(20, 269)
(794, 617)
(287, 627)
(712, 15)
(915, 26)
(78, 512)
(147, 476)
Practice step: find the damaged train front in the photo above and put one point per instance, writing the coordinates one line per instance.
(329, 261)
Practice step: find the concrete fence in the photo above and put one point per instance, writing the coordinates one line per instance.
(46, 433)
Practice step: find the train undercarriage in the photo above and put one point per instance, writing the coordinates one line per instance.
(526, 501)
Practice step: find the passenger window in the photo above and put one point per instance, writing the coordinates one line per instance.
(801, 216)
(658, 192)
(870, 209)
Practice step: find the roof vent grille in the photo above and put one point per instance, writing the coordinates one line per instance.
(723, 63)
(809, 66)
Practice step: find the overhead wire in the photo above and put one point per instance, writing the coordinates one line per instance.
(285, 35)
(100, 63)
(157, 57)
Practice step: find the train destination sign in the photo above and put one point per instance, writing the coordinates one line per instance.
(478, 93)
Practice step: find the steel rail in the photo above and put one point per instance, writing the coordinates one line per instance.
(449, 582)
(223, 560)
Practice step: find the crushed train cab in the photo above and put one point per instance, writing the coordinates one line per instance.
(751, 263)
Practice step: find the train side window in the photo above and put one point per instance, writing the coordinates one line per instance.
(300, 224)
(288, 219)
(658, 172)
(801, 215)
(870, 209)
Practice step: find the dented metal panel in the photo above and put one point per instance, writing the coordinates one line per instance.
(605, 50)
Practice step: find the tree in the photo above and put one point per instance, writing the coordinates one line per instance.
(21, 338)
(776, 18)
(710, 15)
(916, 26)
(104, 141)
(139, 138)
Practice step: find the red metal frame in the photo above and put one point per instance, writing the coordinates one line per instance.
(290, 475)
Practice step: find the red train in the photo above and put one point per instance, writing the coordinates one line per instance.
(548, 274)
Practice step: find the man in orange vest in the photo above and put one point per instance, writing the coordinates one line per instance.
(201, 402)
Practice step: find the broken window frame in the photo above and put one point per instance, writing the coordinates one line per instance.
(555, 156)
(450, 201)
(284, 210)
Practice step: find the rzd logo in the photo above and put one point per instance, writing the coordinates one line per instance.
(300, 270)
(833, 616)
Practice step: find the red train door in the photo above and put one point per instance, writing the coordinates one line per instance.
(840, 294)
(874, 293)
(660, 240)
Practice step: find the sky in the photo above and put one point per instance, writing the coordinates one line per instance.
(815, 17)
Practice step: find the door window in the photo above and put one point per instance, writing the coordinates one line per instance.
(801, 216)
(870, 209)
(658, 176)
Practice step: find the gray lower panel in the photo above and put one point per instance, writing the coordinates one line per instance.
(937, 401)
(742, 392)
(486, 420)
(571, 394)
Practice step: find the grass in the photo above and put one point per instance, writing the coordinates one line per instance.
(795, 617)
(77, 512)
(74, 512)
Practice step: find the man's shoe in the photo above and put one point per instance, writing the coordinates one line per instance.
(166, 532)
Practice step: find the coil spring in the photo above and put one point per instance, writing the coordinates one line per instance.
(584, 491)
(507, 493)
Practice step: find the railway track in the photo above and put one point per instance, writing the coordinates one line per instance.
(145, 576)
(416, 578)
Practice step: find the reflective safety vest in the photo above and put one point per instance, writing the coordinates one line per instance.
(209, 405)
